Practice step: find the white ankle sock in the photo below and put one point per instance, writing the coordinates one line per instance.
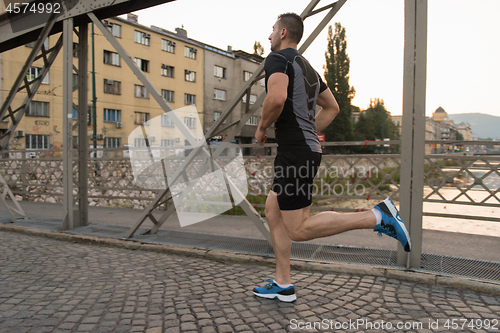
(284, 286)
(378, 215)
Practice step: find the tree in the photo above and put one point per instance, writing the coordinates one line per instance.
(375, 123)
(258, 48)
(337, 78)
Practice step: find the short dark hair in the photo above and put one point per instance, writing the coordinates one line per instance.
(293, 24)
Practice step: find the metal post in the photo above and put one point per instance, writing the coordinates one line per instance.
(83, 155)
(94, 111)
(413, 129)
(68, 201)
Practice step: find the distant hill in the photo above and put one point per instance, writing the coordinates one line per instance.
(482, 125)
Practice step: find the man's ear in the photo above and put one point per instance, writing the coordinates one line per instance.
(283, 33)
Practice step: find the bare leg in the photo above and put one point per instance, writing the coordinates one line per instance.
(281, 242)
(302, 227)
(297, 225)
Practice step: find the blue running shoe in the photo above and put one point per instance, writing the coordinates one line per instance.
(392, 225)
(272, 290)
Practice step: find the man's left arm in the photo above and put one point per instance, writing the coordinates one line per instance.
(329, 109)
(277, 93)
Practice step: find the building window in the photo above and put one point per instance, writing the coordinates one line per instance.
(263, 82)
(166, 121)
(167, 45)
(217, 115)
(38, 109)
(190, 52)
(140, 143)
(253, 99)
(45, 44)
(112, 115)
(115, 29)
(253, 121)
(112, 142)
(141, 117)
(141, 37)
(189, 99)
(75, 50)
(112, 87)
(75, 80)
(247, 75)
(168, 95)
(142, 64)
(35, 72)
(140, 91)
(111, 58)
(190, 122)
(75, 114)
(219, 72)
(167, 143)
(220, 94)
(190, 76)
(167, 71)
(36, 141)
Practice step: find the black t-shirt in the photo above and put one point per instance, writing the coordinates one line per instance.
(295, 127)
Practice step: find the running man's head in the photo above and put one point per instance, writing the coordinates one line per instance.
(287, 31)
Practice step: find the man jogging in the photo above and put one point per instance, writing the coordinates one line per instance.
(294, 89)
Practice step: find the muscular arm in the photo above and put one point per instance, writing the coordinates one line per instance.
(277, 86)
(329, 110)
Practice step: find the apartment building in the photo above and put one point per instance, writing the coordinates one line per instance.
(173, 63)
(226, 72)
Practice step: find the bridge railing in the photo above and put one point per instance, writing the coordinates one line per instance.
(345, 182)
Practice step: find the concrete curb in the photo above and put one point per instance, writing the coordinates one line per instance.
(390, 273)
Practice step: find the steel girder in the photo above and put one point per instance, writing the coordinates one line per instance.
(19, 29)
(5, 192)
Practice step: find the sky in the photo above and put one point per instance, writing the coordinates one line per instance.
(463, 67)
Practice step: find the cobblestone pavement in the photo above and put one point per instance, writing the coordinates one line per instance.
(55, 286)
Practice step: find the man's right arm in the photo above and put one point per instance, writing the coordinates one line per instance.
(277, 86)
(329, 110)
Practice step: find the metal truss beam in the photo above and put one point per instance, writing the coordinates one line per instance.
(237, 126)
(19, 29)
(413, 129)
(6, 111)
(5, 192)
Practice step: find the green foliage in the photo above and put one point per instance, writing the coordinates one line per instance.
(459, 136)
(375, 123)
(337, 78)
(258, 48)
(254, 199)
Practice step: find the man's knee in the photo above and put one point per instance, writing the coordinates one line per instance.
(296, 234)
(272, 213)
(272, 209)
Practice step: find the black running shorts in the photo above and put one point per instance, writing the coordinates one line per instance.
(294, 173)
